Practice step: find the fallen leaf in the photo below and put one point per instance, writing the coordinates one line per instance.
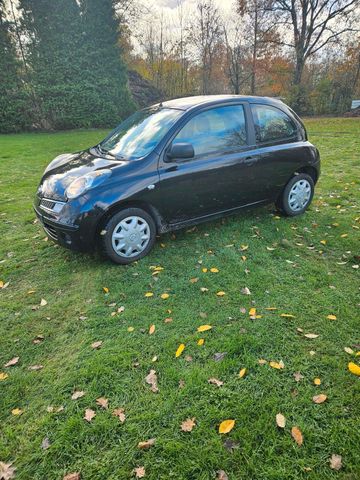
(6, 471)
(280, 420)
(245, 291)
(203, 315)
(38, 339)
(310, 335)
(331, 317)
(12, 362)
(96, 345)
(335, 462)
(89, 414)
(36, 367)
(151, 379)
(204, 270)
(204, 328)
(45, 444)
(146, 444)
(218, 356)
(242, 372)
(72, 476)
(276, 365)
(3, 376)
(297, 435)
(220, 294)
(154, 358)
(106, 290)
(215, 381)
(181, 383)
(349, 350)
(188, 424)
(139, 472)
(77, 394)
(321, 398)
(188, 358)
(102, 402)
(16, 412)
(130, 329)
(43, 302)
(200, 342)
(317, 381)
(180, 349)
(149, 294)
(230, 445)
(262, 361)
(151, 329)
(194, 280)
(120, 413)
(252, 312)
(203, 289)
(221, 475)
(298, 376)
(287, 315)
(226, 426)
(168, 320)
(214, 270)
(164, 296)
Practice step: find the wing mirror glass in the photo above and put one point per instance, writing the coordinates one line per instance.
(180, 151)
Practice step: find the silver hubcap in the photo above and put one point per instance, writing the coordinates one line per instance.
(299, 195)
(130, 237)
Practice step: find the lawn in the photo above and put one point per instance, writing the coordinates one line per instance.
(305, 268)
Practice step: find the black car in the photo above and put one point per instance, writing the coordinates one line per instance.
(176, 164)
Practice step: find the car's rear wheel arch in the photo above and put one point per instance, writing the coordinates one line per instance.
(309, 171)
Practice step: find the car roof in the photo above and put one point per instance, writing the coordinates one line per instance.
(186, 103)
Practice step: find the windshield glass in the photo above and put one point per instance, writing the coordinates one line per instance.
(138, 135)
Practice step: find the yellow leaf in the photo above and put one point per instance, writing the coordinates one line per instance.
(149, 294)
(331, 317)
(323, 242)
(3, 376)
(357, 354)
(226, 426)
(130, 329)
(106, 290)
(179, 350)
(353, 368)
(151, 329)
(317, 381)
(220, 294)
(344, 235)
(349, 350)
(164, 296)
(244, 247)
(214, 270)
(201, 341)
(243, 258)
(252, 312)
(16, 411)
(276, 365)
(204, 270)
(297, 435)
(270, 308)
(204, 328)
(242, 372)
(287, 315)
(319, 398)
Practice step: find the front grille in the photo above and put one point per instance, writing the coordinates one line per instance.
(51, 232)
(45, 203)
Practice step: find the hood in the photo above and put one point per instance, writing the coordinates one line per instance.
(66, 168)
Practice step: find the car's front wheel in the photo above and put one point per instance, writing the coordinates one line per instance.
(297, 195)
(128, 235)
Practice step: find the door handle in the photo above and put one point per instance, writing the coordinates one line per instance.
(250, 160)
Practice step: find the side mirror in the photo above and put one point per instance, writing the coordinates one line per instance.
(181, 151)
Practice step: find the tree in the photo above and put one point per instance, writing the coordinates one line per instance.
(314, 24)
(13, 99)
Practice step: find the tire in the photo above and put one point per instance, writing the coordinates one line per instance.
(123, 237)
(296, 196)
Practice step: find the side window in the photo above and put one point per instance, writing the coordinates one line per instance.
(271, 124)
(220, 129)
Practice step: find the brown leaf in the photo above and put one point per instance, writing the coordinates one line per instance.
(181, 383)
(280, 420)
(321, 398)
(139, 472)
(102, 402)
(298, 376)
(151, 379)
(36, 367)
(6, 471)
(245, 291)
(146, 444)
(89, 414)
(215, 381)
(188, 424)
(72, 476)
(219, 356)
(77, 394)
(96, 345)
(297, 435)
(12, 362)
(120, 413)
(45, 444)
(152, 329)
(335, 461)
(230, 445)
(221, 475)
(38, 339)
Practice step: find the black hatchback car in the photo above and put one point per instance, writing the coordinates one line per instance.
(176, 164)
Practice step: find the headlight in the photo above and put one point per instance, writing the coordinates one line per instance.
(82, 184)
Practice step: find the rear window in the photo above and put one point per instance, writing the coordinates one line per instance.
(272, 124)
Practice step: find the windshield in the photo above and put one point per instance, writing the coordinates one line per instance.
(138, 135)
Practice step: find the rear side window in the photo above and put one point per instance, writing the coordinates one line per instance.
(221, 129)
(271, 124)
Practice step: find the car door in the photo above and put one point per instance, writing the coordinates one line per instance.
(279, 147)
(217, 177)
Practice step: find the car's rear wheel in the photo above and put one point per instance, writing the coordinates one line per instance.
(297, 195)
(128, 235)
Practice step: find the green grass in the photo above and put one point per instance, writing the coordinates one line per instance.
(300, 276)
